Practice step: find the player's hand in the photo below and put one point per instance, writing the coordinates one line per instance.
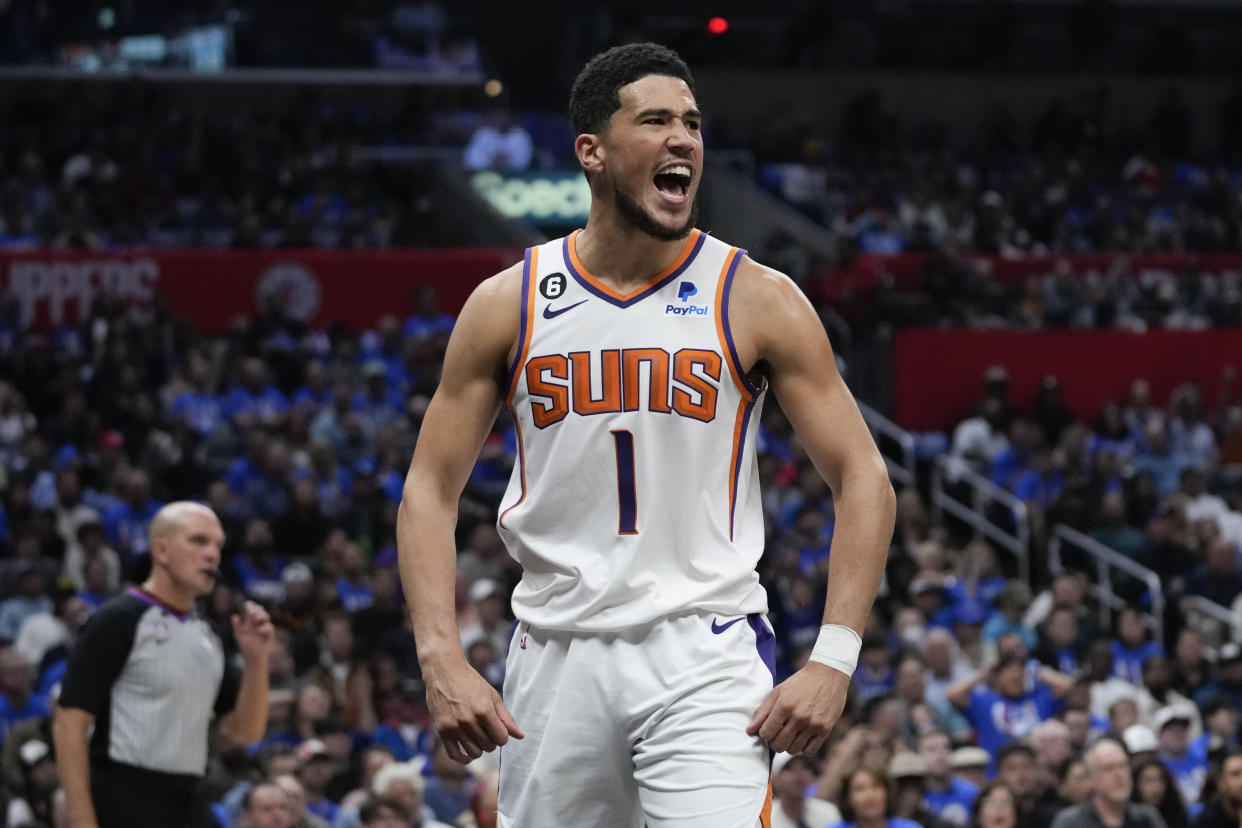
(253, 631)
(467, 712)
(799, 713)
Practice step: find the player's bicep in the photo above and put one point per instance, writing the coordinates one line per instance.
(803, 375)
(464, 406)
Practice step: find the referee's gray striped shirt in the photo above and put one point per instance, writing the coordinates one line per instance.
(153, 678)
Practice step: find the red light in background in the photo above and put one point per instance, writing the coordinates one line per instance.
(717, 26)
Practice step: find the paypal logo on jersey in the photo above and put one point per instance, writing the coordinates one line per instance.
(684, 291)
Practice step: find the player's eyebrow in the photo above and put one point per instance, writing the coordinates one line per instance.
(668, 113)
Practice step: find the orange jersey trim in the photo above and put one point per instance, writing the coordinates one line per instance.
(692, 244)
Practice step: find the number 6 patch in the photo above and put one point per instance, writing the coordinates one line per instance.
(552, 285)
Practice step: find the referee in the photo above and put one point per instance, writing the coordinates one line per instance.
(149, 674)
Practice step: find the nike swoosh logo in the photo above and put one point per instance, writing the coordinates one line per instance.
(548, 313)
(719, 628)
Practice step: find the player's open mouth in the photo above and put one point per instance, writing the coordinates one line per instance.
(674, 182)
(213, 574)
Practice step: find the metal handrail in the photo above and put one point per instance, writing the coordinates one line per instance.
(983, 491)
(903, 471)
(1231, 621)
(1101, 589)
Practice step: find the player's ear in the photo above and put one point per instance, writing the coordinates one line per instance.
(590, 151)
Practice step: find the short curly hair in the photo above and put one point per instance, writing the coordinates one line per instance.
(594, 96)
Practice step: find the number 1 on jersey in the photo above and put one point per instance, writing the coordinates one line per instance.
(627, 491)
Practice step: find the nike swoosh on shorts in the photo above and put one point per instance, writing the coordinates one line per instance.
(548, 313)
(719, 628)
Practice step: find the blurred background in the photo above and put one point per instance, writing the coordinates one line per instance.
(234, 235)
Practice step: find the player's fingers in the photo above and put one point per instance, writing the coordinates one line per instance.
(506, 719)
(783, 740)
(775, 720)
(454, 751)
(761, 715)
(494, 728)
(474, 731)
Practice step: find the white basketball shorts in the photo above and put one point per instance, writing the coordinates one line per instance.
(646, 726)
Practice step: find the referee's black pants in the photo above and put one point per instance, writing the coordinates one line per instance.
(130, 797)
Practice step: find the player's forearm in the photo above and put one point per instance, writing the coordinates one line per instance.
(248, 721)
(865, 509)
(428, 562)
(73, 765)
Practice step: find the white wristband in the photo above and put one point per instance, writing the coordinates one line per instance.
(837, 647)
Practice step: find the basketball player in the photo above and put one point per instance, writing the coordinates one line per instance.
(634, 356)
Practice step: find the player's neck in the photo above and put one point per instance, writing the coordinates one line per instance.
(623, 257)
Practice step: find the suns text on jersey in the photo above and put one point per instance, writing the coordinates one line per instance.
(686, 382)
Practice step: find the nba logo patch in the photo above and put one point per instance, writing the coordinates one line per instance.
(522, 644)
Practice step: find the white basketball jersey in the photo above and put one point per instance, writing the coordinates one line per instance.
(636, 493)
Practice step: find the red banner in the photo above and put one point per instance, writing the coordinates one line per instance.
(938, 374)
(211, 287)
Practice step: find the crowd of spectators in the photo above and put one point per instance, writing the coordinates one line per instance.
(1081, 178)
(299, 440)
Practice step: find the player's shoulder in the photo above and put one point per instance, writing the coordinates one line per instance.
(758, 285)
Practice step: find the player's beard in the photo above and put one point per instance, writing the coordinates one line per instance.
(633, 214)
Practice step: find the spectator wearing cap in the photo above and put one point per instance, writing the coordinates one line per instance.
(38, 783)
(30, 600)
(1224, 810)
(316, 767)
(1109, 803)
(1140, 743)
(945, 796)
(490, 622)
(929, 596)
(970, 764)
(968, 618)
(868, 800)
(909, 774)
(1011, 606)
(999, 705)
(1172, 728)
(791, 807)
(1131, 648)
(1228, 680)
